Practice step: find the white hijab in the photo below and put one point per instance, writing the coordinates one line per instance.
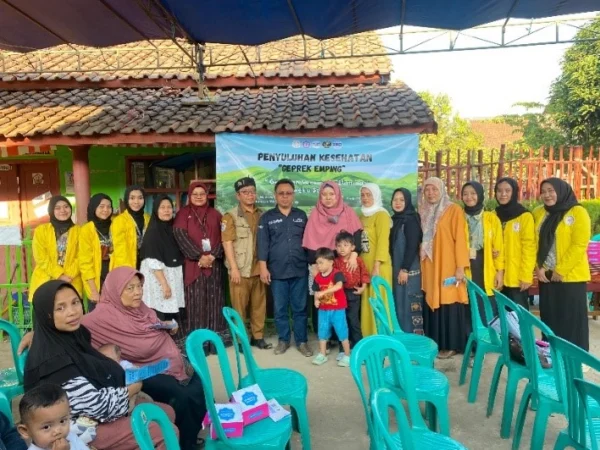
(377, 201)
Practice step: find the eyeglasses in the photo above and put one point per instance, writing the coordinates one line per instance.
(247, 193)
(199, 195)
(285, 193)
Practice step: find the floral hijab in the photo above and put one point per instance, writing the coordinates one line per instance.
(431, 215)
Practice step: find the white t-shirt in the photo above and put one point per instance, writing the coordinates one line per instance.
(76, 443)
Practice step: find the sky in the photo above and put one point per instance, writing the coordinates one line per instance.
(484, 83)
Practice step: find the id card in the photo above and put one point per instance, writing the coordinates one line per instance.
(206, 245)
(472, 253)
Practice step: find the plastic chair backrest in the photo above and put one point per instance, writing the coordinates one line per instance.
(15, 339)
(588, 390)
(527, 325)
(372, 352)
(194, 346)
(381, 319)
(505, 305)
(240, 337)
(141, 418)
(570, 359)
(384, 400)
(380, 284)
(479, 327)
(5, 407)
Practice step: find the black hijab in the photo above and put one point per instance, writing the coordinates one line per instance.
(60, 226)
(408, 214)
(56, 356)
(138, 216)
(102, 225)
(159, 241)
(565, 200)
(474, 210)
(513, 208)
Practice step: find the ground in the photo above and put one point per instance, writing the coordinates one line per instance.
(336, 414)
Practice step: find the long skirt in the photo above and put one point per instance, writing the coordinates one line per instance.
(517, 295)
(564, 308)
(408, 300)
(448, 326)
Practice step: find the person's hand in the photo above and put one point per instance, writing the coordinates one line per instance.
(205, 261)
(499, 280)
(402, 277)
(318, 295)
(65, 278)
(60, 444)
(234, 276)
(134, 388)
(541, 274)
(174, 331)
(557, 277)
(166, 290)
(25, 343)
(460, 274)
(495, 253)
(265, 276)
(360, 289)
(375, 271)
(524, 286)
(94, 297)
(317, 303)
(352, 263)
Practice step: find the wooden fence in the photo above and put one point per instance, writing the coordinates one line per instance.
(579, 167)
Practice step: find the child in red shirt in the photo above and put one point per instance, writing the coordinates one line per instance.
(330, 300)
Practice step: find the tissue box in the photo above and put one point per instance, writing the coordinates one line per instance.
(230, 416)
(253, 402)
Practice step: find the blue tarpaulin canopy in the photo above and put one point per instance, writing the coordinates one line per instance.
(33, 24)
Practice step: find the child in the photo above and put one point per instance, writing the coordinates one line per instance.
(46, 420)
(356, 282)
(331, 302)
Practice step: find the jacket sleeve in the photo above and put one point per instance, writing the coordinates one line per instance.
(9, 435)
(580, 238)
(105, 404)
(461, 245)
(72, 268)
(497, 242)
(528, 248)
(86, 254)
(263, 239)
(42, 238)
(382, 237)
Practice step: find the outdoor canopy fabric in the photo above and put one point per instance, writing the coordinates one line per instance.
(27, 25)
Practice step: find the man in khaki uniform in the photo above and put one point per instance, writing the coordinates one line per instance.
(239, 228)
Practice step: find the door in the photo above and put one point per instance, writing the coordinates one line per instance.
(38, 182)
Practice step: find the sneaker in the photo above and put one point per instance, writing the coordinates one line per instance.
(585, 368)
(320, 359)
(340, 356)
(281, 348)
(305, 350)
(344, 361)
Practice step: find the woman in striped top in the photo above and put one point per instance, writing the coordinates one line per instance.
(62, 354)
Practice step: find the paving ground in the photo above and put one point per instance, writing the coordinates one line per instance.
(336, 414)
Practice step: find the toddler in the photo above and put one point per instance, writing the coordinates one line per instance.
(330, 299)
(46, 420)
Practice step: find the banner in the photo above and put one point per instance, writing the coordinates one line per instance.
(389, 161)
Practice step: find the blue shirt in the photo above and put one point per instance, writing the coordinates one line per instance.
(280, 243)
(9, 437)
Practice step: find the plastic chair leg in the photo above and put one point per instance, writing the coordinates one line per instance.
(539, 426)
(432, 416)
(466, 358)
(476, 373)
(443, 417)
(521, 417)
(509, 404)
(494, 387)
(562, 441)
(299, 411)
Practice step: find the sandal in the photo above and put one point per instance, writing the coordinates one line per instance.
(446, 354)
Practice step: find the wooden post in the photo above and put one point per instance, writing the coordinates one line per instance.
(501, 161)
(438, 164)
(81, 180)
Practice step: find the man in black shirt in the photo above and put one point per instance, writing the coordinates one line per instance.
(284, 266)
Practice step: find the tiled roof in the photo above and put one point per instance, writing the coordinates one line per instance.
(496, 133)
(167, 61)
(89, 112)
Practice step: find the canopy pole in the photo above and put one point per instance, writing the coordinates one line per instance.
(508, 15)
(402, 17)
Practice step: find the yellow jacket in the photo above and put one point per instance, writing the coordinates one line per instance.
(572, 238)
(90, 256)
(492, 242)
(519, 250)
(124, 239)
(45, 255)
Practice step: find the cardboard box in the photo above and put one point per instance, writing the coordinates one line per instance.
(253, 402)
(230, 416)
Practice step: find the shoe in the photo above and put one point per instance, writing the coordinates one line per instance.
(585, 368)
(340, 356)
(305, 350)
(344, 361)
(281, 348)
(320, 359)
(261, 343)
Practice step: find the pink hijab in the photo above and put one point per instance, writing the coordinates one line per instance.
(431, 215)
(129, 328)
(325, 223)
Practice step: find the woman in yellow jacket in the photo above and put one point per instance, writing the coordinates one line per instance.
(95, 247)
(486, 245)
(128, 229)
(56, 247)
(564, 230)
(519, 241)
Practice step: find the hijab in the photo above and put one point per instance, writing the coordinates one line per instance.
(431, 215)
(199, 222)
(513, 208)
(325, 223)
(159, 241)
(113, 323)
(377, 201)
(60, 226)
(138, 216)
(407, 215)
(475, 210)
(57, 356)
(475, 217)
(565, 200)
(102, 225)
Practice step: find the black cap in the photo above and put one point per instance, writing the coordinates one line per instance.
(243, 182)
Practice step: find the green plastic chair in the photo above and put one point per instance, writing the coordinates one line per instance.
(570, 359)
(516, 370)
(287, 386)
(482, 335)
(407, 437)
(422, 349)
(5, 408)
(141, 418)
(263, 435)
(589, 391)
(11, 379)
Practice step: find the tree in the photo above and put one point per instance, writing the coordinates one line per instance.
(575, 95)
(454, 133)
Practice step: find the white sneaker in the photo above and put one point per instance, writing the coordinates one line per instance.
(340, 356)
